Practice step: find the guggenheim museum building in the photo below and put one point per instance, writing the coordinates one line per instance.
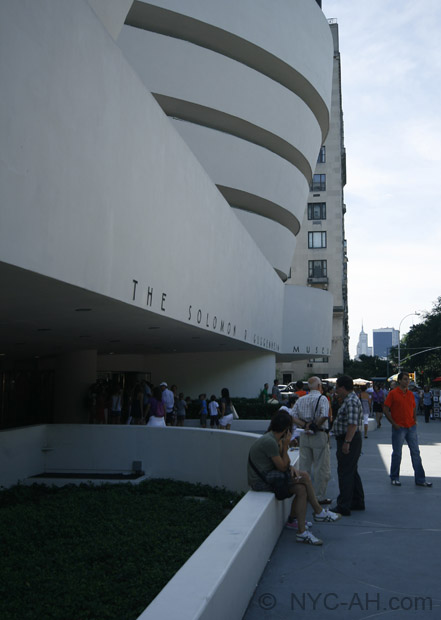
(156, 159)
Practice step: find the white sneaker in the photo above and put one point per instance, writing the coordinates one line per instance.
(327, 515)
(308, 538)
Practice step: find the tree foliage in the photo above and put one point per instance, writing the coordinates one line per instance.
(366, 367)
(423, 336)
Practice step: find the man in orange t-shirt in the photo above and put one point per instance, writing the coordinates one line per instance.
(299, 389)
(399, 408)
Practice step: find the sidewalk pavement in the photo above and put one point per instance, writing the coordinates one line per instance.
(383, 562)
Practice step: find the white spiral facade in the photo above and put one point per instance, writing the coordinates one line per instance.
(156, 165)
(249, 101)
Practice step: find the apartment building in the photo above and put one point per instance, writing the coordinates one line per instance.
(320, 257)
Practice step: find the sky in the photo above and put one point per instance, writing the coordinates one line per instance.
(391, 88)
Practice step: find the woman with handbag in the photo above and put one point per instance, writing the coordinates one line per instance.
(269, 469)
(226, 410)
(155, 410)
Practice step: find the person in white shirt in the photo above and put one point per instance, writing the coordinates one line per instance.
(213, 407)
(168, 400)
(311, 412)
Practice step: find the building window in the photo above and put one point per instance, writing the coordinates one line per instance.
(317, 269)
(319, 360)
(322, 156)
(317, 211)
(316, 240)
(318, 183)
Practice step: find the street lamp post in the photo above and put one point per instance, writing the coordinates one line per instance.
(399, 336)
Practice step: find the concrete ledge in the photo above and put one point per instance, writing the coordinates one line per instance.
(219, 579)
(247, 426)
(228, 564)
(258, 426)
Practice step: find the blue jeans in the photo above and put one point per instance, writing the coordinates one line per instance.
(410, 436)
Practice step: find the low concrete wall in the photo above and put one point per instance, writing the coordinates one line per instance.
(21, 453)
(247, 426)
(230, 562)
(259, 426)
(212, 457)
(219, 579)
(189, 453)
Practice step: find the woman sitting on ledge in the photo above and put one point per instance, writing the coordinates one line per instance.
(268, 460)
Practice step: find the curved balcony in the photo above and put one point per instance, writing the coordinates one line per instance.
(209, 89)
(290, 45)
(255, 134)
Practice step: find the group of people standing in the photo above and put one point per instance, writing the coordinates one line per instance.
(143, 404)
(146, 404)
(269, 459)
(221, 413)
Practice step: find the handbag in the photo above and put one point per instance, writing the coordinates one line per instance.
(234, 412)
(281, 485)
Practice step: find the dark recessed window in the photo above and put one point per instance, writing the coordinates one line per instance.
(317, 211)
(316, 240)
(318, 183)
(317, 269)
(322, 156)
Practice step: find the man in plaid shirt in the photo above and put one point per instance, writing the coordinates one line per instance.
(345, 429)
(311, 413)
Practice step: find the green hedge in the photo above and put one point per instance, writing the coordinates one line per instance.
(247, 409)
(99, 552)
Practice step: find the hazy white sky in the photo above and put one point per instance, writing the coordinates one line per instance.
(391, 71)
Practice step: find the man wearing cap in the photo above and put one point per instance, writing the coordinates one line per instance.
(400, 409)
(168, 400)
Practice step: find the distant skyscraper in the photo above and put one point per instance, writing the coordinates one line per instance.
(362, 346)
(384, 339)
